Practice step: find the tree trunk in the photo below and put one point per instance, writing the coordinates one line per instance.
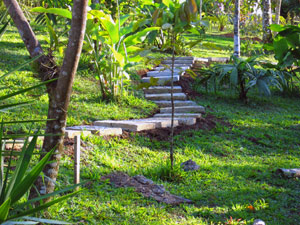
(200, 9)
(277, 11)
(59, 91)
(267, 20)
(237, 41)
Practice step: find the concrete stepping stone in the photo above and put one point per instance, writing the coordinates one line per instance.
(163, 73)
(219, 59)
(162, 89)
(182, 58)
(99, 130)
(178, 61)
(184, 109)
(183, 120)
(73, 133)
(177, 65)
(159, 122)
(128, 125)
(176, 103)
(162, 80)
(162, 68)
(179, 115)
(202, 59)
(166, 96)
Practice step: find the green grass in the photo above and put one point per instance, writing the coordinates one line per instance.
(237, 163)
(85, 106)
(236, 170)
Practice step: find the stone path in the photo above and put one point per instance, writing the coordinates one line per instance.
(186, 111)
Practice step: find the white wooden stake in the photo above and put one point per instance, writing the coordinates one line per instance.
(76, 159)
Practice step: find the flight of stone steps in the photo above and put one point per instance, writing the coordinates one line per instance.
(186, 111)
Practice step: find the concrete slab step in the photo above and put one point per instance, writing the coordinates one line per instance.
(219, 59)
(98, 130)
(200, 59)
(163, 73)
(162, 80)
(162, 68)
(184, 109)
(179, 115)
(162, 89)
(176, 103)
(165, 96)
(177, 65)
(127, 124)
(183, 121)
(159, 122)
(73, 133)
(178, 61)
(182, 58)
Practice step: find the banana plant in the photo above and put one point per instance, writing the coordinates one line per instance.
(177, 17)
(118, 50)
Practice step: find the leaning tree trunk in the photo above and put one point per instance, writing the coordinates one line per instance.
(277, 11)
(237, 40)
(59, 91)
(267, 20)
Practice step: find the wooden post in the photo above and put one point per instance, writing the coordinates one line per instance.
(77, 159)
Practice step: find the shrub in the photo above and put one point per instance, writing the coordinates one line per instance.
(242, 75)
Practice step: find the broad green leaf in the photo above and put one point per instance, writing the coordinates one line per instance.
(146, 2)
(263, 87)
(97, 13)
(56, 11)
(276, 27)
(135, 38)
(234, 76)
(112, 28)
(4, 209)
(51, 31)
(154, 81)
(167, 3)
(123, 19)
(119, 57)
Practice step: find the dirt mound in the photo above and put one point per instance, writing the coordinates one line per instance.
(146, 187)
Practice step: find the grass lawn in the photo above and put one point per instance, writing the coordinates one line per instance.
(235, 184)
(85, 106)
(237, 167)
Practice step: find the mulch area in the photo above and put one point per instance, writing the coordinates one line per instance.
(208, 122)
